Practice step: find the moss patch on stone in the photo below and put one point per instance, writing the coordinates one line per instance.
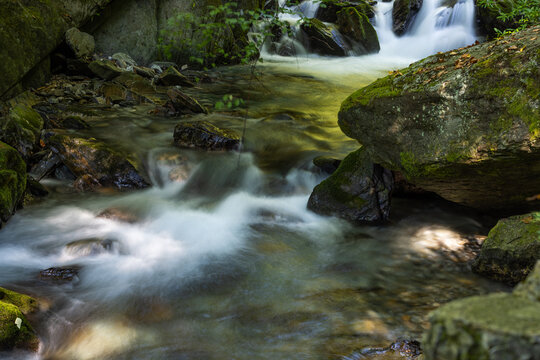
(12, 180)
(13, 306)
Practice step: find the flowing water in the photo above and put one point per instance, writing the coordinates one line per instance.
(221, 259)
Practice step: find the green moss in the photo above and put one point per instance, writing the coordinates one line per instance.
(25, 303)
(12, 180)
(13, 306)
(379, 89)
(515, 233)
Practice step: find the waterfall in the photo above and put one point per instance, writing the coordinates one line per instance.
(440, 25)
(437, 27)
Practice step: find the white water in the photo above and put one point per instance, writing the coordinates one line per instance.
(435, 28)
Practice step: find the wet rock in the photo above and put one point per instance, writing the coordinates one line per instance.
(94, 158)
(358, 191)
(327, 164)
(329, 12)
(204, 135)
(59, 274)
(403, 14)
(86, 183)
(113, 93)
(105, 69)
(184, 104)
(74, 122)
(511, 249)
(402, 349)
(138, 85)
(463, 124)
(161, 66)
(88, 247)
(81, 43)
(12, 181)
(21, 129)
(124, 61)
(322, 40)
(119, 214)
(46, 166)
(172, 77)
(13, 333)
(35, 188)
(62, 172)
(356, 27)
(144, 72)
(497, 327)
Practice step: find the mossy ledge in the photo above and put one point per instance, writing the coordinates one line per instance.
(15, 306)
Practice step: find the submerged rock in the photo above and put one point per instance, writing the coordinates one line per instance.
(59, 274)
(356, 27)
(204, 135)
(12, 181)
(15, 330)
(358, 191)
(463, 124)
(89, 157)
(403, 14)
(511, 249)
(184, 104)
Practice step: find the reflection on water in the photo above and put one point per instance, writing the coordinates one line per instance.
(221, 256)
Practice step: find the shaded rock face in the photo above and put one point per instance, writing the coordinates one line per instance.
(511, 249)
(81, 43)
(95, 163)
(12, 181)
(13, 306)
(356, 26)
(489, 17)
(495, 327)
(403, 14)
(172, 77)
(184, 104)
(328, 13)
(358, 191)
(463, 124)
(204, 135)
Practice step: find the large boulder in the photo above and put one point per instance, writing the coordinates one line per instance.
(21, 128)
(15, 330)
(322, 39)
(12, 181)
(495, 327)
(94, 163)
(511, 249)
(40, 29)
(463, 124)
(81, 43)
(328, 12)
(358, 191)
(204, 135)
(403, 14)
(357, 28)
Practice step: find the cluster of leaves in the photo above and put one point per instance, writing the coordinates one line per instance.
(228, 101)
(220, 35)
(523, 13)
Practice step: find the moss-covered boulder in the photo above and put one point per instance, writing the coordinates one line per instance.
(321, 39)
(357, 28)
(530, 288)
(403, 14)
(358, 191)
(511, 249)
(328, 12)
(16, 333)
(494, 327)
(489, 20)
(12, 181)
(82, 44)
(21, 128)
(95, 163)
(464, 124)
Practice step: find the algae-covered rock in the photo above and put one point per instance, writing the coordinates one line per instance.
(94, 159)
(358, 190)
(322, 40)
(356, 27)
(105, 69)
(15, 306)
(21, 128)
(328, 12)
(511, 249)
(403, 14)
(172, 77)
(183, 103)
(494, 327)
(204, 135)
(530, 288)
(464, 124)
(12, 180)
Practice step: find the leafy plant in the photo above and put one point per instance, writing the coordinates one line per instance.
(228, 101)
(523, 12)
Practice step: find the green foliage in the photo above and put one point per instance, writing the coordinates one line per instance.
(524, 13)
(221, 35)
(229, 102)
